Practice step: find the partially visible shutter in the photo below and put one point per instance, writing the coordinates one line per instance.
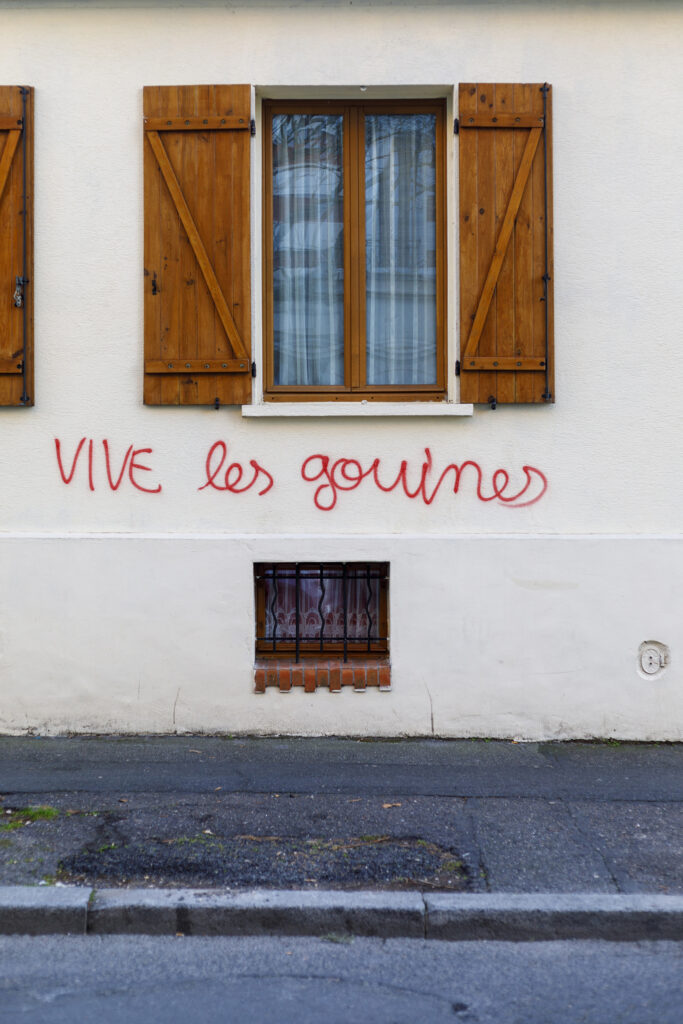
(197, 251)
(16, 245)
(506, 296)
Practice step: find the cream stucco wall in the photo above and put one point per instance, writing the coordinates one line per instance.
(116, 608)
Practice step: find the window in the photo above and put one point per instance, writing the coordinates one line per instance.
(308, 609)
(354, 268)
(355, 264)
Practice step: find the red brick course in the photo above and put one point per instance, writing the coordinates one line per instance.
(384, 677)
(335, 677)
(309, 678)
(332, 674)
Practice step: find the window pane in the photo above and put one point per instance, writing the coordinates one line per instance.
(308, 249)
(326, 601)
(400, 225)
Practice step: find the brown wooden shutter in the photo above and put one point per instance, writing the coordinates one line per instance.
(16, 245)
(506, 296)
(197, 251)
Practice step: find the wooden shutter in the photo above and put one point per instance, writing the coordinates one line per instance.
(197, 251)
(506, 297)
(16, 245)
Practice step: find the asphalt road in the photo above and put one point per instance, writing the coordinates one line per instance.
(466, 768)
(256, 981)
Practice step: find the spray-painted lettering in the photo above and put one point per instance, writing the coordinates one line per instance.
(130, 463)
(232, 478)
(348, 474)
(332, 476)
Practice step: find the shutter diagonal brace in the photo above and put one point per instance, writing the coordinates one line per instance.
(7, 157)
(197, 244)
(499, 251)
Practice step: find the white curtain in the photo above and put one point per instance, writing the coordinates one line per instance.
(308, 249)
(400, 220)
(362, 606)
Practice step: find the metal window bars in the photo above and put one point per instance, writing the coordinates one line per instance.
(314, 608)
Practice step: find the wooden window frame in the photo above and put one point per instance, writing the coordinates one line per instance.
(355, 388)
(310, 648)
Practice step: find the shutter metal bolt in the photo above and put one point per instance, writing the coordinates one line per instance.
(206, 366)
(224, 366)
(187, 365)
(170, 366)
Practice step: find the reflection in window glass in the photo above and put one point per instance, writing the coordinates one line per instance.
(308, 249)
(400, 223)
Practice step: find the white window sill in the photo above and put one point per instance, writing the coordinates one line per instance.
(327, 410)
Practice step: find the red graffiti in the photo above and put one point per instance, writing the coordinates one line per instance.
(233, 473)
(58, 445)
(348, 474)
(130, 462)
(115, 486)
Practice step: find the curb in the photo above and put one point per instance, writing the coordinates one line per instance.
(512, 917)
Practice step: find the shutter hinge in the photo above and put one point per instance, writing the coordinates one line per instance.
(252, 127)
(18, 297)
(456, 126)
(457, 367)
(253, 369)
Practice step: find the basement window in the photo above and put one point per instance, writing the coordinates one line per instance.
(309, 609)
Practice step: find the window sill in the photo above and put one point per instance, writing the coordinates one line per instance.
(279, 410)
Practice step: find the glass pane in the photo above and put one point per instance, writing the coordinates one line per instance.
(321, 602)
(308, 249)
(400, 261)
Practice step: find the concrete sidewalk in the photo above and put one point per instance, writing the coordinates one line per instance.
(297, 835)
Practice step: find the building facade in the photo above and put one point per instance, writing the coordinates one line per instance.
(339, 377)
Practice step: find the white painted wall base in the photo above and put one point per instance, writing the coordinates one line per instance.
(507, 636)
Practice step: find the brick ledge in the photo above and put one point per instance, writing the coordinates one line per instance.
(331, 674)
